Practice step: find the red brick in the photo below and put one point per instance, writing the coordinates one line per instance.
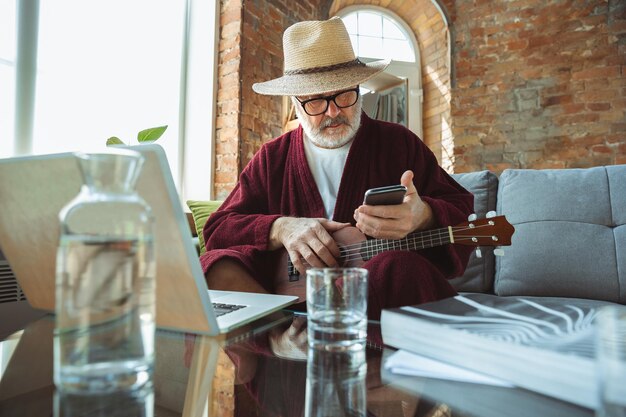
(538, 41)
(557, 89)
(555, 100)
(619, 103)
(228, 133)
(576, 119)
(568, 39)
(229, 43)
(566, 154)
(619, 138)
(616, 59)
(225, 177)
(598, 106)
(599, 72)
(548, 165)
(230, 30)
(613, 115)
(596, 96)
(229, 16)
(601, 149)
(227, 163)
(588, 141)
(227, 147)
(499, 167)
(513, 26)
(596, 84)
(477, 32)
(516, 45)
(617, 27)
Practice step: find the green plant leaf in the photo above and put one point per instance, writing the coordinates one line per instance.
(152, 134)
(114, 141)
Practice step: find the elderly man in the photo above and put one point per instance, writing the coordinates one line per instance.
(302, 189)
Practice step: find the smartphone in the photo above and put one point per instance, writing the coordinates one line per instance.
(385, 196)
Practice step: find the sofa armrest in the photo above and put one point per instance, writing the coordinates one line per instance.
(479, 274)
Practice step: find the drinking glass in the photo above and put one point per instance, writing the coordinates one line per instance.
(337, 308)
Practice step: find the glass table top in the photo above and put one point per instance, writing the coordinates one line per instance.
(262, 369)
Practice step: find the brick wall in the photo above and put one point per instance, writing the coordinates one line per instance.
(534, 84)
(539, 84)
(251, 51)
(227, 155)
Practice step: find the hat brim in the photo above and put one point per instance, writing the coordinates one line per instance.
(320, 82)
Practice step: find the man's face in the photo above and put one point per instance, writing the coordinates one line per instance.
(337, 125)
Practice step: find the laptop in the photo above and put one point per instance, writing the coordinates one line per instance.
(33, 189)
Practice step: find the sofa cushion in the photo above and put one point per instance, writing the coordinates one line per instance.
(479, 275)
(570, 233)
(201, 210)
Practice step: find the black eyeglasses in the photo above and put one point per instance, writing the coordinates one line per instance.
(319, 105)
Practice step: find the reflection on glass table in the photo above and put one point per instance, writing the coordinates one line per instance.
(263, 369)
(335, 383)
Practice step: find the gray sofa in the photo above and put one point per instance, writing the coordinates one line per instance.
(570, 233)
(528, 317)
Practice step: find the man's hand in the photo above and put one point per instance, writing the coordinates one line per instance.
(291, 343)
(306, 240)
(397, 221)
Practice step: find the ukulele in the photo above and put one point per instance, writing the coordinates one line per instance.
(355, 248)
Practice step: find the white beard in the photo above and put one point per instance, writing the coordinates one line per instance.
(323, 140)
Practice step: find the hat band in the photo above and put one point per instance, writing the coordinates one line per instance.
(354, 63)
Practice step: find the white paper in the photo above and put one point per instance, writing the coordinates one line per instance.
(406, 363)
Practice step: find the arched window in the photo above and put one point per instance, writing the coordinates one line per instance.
(377, 33)
(374, 35)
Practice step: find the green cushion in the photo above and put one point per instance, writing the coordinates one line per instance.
(201, 210)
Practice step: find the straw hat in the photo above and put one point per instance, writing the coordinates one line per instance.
(318, 59)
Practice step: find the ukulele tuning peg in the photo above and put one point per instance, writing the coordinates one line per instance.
(490, 214)
(498, 252)
(472, 217)
(479, 254)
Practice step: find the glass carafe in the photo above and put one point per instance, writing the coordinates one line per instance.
(105, 280)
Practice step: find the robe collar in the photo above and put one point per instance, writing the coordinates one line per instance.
(353, 181)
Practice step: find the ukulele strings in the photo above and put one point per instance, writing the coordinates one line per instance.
(353, 251)
(419, 236)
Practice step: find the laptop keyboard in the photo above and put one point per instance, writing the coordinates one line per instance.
(221, 309)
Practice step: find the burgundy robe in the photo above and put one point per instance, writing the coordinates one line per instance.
(278, 182)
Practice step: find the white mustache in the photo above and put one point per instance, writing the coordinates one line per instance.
(333, 121)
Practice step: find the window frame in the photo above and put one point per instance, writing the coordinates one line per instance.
(403, 69)
(197, 93)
